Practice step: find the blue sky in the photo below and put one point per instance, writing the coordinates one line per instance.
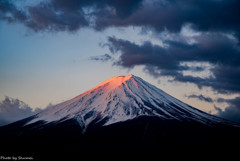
(51, 51)
(45, 67)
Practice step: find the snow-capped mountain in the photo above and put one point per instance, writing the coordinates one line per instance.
(122, 114)
(119, 99)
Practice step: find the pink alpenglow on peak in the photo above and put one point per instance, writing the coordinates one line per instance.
(115, 81)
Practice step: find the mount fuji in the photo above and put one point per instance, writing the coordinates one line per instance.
(119, 99)
(124, 112)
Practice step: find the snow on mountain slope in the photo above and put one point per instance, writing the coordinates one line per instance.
(122, 98)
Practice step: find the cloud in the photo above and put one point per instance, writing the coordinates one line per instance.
(43, 16)
(205, 15)
(232, 112)
(220, 51)
(13, 109)
(47, 17)
(103, 58)
(10, 13)
(201, 97)
(71, 15)
(65, 15)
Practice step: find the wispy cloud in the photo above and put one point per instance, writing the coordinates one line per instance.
(103, 58)
(201, 97)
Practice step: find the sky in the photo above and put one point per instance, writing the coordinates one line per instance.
(53, 50)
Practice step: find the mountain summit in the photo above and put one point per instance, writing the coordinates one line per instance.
(119, 99)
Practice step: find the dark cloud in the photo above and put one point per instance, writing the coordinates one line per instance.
(66, 15)
(232, 112)
(204, 15)
(6, 6)
(10, 13)
(220, 51)
(213, 48)
(103, 58)
(46, 17)
(13, 109)
(201, 97)
(43, 16)
(121, 8)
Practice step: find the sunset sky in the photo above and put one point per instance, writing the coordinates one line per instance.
(53, 50)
